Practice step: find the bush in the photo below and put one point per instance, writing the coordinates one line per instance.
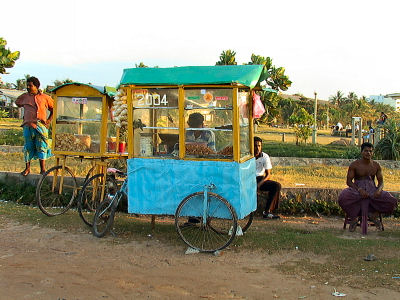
(352, 152)
(389, 147)
(23, 193)
(11, 137)
(3, 113)
(301, 120)
(296, 206)
(396, 212)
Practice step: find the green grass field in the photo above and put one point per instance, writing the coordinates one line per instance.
(309, 176)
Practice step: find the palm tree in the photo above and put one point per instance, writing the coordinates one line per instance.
(337, 99)
(351, 97)
(21, 84)
(141, 65)
(227, 57)
(286, 108)
(61, 82)
(7, 58)
(260, 60)
(276, 79)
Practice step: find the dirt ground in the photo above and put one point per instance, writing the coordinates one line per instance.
(42, 263)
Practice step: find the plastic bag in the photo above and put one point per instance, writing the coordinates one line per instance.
(258, 107)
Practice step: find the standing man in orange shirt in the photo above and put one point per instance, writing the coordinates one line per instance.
(35, 124)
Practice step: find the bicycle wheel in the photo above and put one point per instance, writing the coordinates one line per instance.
(246, 222)
(104, 216)
(91, 195)
(55, 193)
(89, 174)
(216, 232)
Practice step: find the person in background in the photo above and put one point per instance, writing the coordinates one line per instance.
(361, 181)
(382, 118)
(196, 120)
(338, 126)
(35, 124)
(370, 134)
(357, 128)
(348, 130)
(264, 182)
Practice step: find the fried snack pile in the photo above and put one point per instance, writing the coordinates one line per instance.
(227, 151)
(198, 149)
(71, 142)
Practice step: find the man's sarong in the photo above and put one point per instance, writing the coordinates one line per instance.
(36, 142)
(351, 202)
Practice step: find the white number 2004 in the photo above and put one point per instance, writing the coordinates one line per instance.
(151, 99)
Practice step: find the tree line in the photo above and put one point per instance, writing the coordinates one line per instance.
(280, 109)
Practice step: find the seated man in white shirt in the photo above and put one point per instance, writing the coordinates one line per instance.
(263, 173)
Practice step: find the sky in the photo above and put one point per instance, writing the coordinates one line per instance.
(325, 46)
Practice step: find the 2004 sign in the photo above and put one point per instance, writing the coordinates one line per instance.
(151, 99)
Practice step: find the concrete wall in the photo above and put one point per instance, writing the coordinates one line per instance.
(13, 177)
(276, 161)
(306, 194)
(299, 161)
(11, 149)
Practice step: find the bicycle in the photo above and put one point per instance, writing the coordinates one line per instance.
(105, 211)
(215, 225)
(58, 187)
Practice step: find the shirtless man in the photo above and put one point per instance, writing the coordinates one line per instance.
(363, 191)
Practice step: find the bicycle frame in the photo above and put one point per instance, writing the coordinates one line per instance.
(122, 190)
(206, 189)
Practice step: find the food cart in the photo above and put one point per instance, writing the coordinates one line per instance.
(83, 127)
(204, 174)
(83, 124)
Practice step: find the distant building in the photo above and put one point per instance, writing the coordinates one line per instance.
(389, 99)
(7, 102)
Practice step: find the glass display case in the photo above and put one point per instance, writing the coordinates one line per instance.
(155, 121)
(208, 122)
(191, 113)
(83, 120)
(244, 122)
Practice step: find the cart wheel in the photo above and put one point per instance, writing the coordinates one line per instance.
(104, 217)
(246, 222)
(216, 232)
(55, 193)
(91, 195)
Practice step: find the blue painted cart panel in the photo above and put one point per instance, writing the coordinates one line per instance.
(157, 186)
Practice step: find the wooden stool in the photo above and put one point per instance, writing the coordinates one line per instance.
(360, 223)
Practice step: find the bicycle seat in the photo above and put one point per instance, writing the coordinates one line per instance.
(116, 171)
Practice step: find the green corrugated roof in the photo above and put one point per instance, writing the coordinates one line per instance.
(248, 75)
(105, 90)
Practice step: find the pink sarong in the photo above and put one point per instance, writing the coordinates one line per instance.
(351, 202)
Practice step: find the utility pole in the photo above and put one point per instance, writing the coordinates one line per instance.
(327, 117)
(314, 132)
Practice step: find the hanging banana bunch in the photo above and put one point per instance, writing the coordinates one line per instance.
(120, 109)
